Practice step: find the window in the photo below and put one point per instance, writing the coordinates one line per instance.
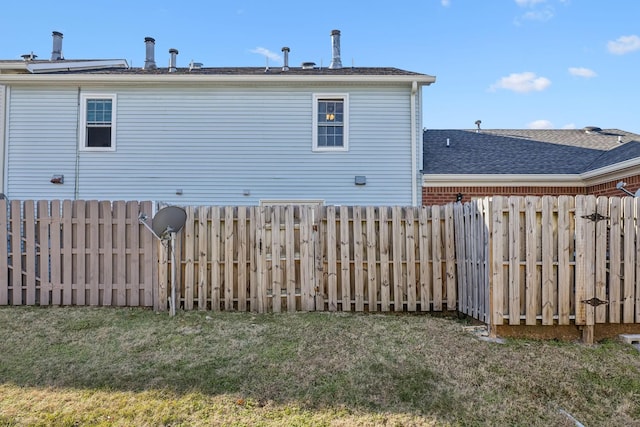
(330, 122)
(98, 125)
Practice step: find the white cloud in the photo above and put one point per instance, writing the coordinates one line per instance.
(529, 3)
(522, 83)
(540, 124)
(538, 15)
(267, 54)
(445, 3)
(582, 72)
(624, 44)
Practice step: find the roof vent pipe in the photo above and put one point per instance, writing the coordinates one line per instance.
(335, 47)
(150, 61)
(172, 60)
(56, 53)
(285, 51)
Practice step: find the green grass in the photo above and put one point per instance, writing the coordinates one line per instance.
(124, 367)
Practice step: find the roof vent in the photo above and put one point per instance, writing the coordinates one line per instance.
(29, 56)
(285, 51)
(592, 129)
(195, 66)
(150, 60)
(335, 47)
(56, 54)
(308, 65)
(172, 60)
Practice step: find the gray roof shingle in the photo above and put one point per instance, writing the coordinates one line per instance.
(525, 151)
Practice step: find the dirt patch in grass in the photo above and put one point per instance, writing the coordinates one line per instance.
(85, 366)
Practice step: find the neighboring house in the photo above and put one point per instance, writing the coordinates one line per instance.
(98, 129)
(477, 163)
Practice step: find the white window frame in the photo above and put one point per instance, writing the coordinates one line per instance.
(345, 126)
(83, 120)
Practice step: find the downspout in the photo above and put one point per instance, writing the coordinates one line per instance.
(414, 149)
(76, 184)
(4, 136)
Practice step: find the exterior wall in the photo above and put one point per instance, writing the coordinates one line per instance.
(444, 195)
(41, 140)
(609, 188)
(2, 140)
(218, 145)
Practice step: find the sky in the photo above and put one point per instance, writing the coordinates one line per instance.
(513, 64)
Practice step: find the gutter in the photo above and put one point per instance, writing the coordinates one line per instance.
(138, 79)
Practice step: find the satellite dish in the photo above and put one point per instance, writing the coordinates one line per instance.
(620, 185)
(168, 220)
(637, 193)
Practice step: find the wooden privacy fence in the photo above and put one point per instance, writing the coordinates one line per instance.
(76, 253)
(302, 258)
(551, 260)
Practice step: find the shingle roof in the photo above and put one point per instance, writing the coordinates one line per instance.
(525, 151)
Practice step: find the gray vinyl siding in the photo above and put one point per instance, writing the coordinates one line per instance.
(214, 144)
(42, 135)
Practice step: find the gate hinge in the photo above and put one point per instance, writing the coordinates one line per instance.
(594, 301)
(595, 217)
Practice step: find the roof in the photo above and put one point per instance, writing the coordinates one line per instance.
(118, 70)
(526, 151)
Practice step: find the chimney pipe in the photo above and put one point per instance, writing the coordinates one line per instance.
(172, 60)
(150, 61)
(285, 51)
(335, 47)
(56, 54)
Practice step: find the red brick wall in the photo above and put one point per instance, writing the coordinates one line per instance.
(444, 195)
(609, 188)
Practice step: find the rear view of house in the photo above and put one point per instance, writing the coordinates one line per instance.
(99, 129)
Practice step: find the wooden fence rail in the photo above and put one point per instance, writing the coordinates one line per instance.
(303, 258)
(76, 253)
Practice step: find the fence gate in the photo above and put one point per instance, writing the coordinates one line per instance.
(605, 262)
(472, 243)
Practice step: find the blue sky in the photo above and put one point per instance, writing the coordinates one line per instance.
(510, 63)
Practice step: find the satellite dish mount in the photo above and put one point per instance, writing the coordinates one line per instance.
(164, 226)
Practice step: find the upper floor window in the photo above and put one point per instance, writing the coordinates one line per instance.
(330, 122)
(98, 122)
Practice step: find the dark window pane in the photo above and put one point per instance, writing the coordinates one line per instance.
(99, 137)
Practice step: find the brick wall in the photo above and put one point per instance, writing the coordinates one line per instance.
(609, 188)
(444, 195)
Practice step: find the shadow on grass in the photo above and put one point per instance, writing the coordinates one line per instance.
(313, 359)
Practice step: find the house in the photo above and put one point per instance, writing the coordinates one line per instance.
(100, 129)
(464, 164)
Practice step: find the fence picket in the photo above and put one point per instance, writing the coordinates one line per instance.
(436, 259)
(372, 250)
(531, 269)
(629, 260)
(189, 258)
(397, 236)
(410, 245)
(385, 284)
(424, 233)
(243, 267)
(548, 251)
(615, 273)
(358, 261)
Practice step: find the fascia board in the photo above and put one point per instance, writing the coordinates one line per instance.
(611, 172)
(39, 79)
(503, 180)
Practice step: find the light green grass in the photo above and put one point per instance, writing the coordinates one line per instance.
(123, 367)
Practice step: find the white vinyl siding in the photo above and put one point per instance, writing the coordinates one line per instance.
(230, 146)
(42, 137)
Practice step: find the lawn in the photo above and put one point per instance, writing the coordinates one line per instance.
(125, 367)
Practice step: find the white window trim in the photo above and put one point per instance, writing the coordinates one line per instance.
(82, 140)
(345, 98)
